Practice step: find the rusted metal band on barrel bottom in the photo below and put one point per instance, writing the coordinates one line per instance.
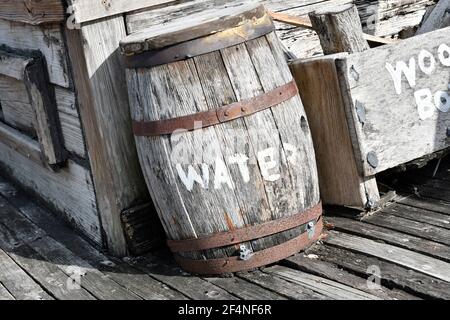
(259, 259)
(250, 30)
(216, 116)
(245, 234)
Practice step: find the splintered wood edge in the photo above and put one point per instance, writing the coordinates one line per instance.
(198, 25)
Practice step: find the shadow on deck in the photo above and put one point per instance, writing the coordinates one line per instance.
(399, 252)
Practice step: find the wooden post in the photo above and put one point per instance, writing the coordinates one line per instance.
(339, 31)
(438, 18)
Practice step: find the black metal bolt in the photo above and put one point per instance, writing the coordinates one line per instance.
(448, 132)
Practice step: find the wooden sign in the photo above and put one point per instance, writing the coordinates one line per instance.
(397, 100)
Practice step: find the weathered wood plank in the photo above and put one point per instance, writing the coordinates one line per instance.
(245, 290)
(415, 228)
(17, 282)
(21, 143)
(390, 236)
(32, 11)
(391, 275)
(87, 10)
(438, 18)
(282, 287)
(415, 261)
(333, 272)
(419, 215)
(94, 281)
(45, 273)
(70, 122)
(130, 278)
(174, 277)
(320, 96)
(70, 190)
(411, 123)
(17, 109)
(440, 206)
(47, 39)
(324, 286)
(101, 86)
(4, 294)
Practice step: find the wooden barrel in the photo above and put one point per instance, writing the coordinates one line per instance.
(223, 140)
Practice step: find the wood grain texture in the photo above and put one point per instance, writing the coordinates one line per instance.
(17, 109)
(32, 11)
(332, 289)
(320, 92)
(21, 143)
(339, 29)
(392, 275)
(47, 39)
(207, 82)
(87, 10)
(18, 282)
(393, 129)
(70, 190)
(438, 18)
(104, 110)
(415, 261)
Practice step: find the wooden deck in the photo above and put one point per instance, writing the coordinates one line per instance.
(406, 246)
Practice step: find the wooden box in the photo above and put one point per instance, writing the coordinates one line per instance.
(375, 110)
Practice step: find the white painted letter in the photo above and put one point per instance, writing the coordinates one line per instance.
(268, 165)
(425, 106)
(192, 176)
(444, 54)
(396, 73)
(241, 160)
(442, 101)
(222, 175)
(425, 55)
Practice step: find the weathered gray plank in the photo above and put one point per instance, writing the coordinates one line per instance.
(391, 275)
(21, 143)
(102, 94)
(396, 238)
(130, 278)
(415, 261)
(32, 11)
(245, 290)
(4, 294)
(94, 281)
(415, 228)
(324, 286)
(283, 287)
(406, 126)
(17, 282)
(174, 277)
(70, 190)
(420, 215)
(47, 39)
(440, 206)
(333, 272)
(438, 18)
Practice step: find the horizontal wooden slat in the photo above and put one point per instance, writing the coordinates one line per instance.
(13, 65)
(21, 143)
(46, 38)
(70, 190)
(430, 266)
(32, 11)
(88, 10)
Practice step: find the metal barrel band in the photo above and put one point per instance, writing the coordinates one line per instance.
(217, 116)
(245, 234)
(250, 30)
(259, 258)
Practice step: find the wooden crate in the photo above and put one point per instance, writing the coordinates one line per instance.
(375, 110)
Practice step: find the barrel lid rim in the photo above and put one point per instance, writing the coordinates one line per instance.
(212, 21)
